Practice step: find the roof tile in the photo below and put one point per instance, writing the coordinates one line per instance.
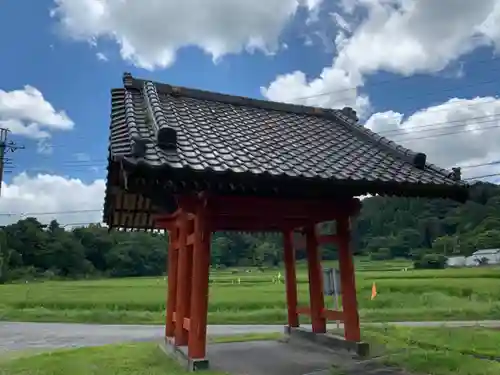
(215, 132)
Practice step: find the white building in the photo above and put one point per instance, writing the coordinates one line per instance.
(455, 262)
(471, 261)
(492, 256)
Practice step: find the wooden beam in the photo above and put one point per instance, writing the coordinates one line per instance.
(333, 315)
(328, 239)
(316, 297)
(290, 279)
(347, 278)
(173, 259)
(304, 310)
(317, 210)
(167, 221)
(200, 285)
(252, 224)
(326, 314)
(183, 290)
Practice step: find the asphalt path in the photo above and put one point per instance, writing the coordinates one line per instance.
(46, 336)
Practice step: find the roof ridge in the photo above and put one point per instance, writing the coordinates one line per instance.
(166, 136)
(346, 116)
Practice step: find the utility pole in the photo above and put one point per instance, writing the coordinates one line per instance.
(5, 146)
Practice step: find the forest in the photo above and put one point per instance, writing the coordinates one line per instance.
(423, 230)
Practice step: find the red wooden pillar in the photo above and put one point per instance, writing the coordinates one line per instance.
(200, 285)
(173, 256)
(315, 271)
(348, 282)
(290, 279)
(183, 274)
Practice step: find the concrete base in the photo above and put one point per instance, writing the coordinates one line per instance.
(181, 355)
(362, 349)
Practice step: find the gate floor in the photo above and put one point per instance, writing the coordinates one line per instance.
(268, 358)
(282, 358)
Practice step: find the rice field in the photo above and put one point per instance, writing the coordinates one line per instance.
(249, 296)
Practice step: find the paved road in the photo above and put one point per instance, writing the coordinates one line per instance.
(22, 336)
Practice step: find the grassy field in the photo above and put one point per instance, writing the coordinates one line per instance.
(433, 351)
(438, 351)
(237, 296)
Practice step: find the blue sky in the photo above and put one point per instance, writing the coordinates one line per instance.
(393, 62)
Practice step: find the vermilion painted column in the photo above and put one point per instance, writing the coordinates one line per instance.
(173, 256)
(290, 279)
(183, 292)
(348, 281)
(200, 286)
(315, 271)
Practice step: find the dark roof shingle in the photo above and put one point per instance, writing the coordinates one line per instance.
(161, 126)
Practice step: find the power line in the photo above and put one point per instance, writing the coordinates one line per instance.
(447, 134)
(50, 213)
(44, 213)
(398, 132)
(88, 164)
(481, 165)
(481, 177)
(385, 81)
(445, 106)
(102, 163)
(432, 125)
(460, 122)
(403, 98)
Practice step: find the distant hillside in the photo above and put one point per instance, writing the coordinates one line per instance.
(404, 227)
(420, 229)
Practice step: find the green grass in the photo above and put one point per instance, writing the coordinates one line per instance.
(126, 359)
(438, 351)
(239, 297)
(432, 351)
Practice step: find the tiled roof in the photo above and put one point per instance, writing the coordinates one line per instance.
(159, 126)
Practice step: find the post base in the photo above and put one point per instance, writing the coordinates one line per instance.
(361, 349)
(180, 354)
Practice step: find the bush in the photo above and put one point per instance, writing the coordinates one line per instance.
(382, 254)
(431, 261)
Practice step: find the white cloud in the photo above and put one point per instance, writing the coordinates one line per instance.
(46, 193)
(401, 36)
(295, 88)
(150, 32)
(409, 36)
(27, 113)
(101, 56)
(474, 124)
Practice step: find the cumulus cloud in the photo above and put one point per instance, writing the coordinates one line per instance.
(399, 36)
(409, 36)
(27, 113)
(48, 197)
(150, 32)
(459, 132)
(406, 37)
(334, 88)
